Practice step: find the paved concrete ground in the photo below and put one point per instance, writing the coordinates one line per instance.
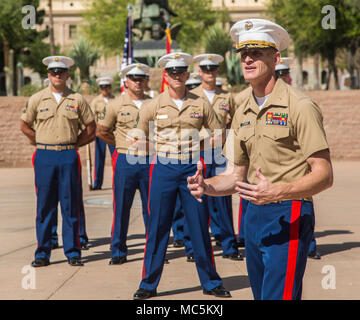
(335, 276)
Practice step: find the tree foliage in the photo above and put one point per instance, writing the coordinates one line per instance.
(196, 17)
(84, 56)
(105, 24)
(18, 38)
(304, 20)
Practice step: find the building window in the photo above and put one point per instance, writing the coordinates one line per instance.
(323, 77)
(72, 31)
(305, 77)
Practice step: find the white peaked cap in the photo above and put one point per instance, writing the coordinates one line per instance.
(104, 81)
(175, 60)
(58, 62)
(259, 33)
(284, 64)
(135, 69)
(208, 59)
(194, 78)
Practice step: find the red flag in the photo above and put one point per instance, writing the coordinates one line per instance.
(164, 83)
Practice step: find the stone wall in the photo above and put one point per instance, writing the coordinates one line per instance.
(341, 110)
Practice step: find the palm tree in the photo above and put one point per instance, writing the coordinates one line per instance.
(217, 40)
(84, 56)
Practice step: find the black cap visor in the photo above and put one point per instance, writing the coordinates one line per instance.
(209, 67)
(57, 70)
(175, 70)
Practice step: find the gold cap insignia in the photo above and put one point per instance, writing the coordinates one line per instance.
(139, 66)
(248, 25)
(177, 56)
(210, 57)
(56, 59)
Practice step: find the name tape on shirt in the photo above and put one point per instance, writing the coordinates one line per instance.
(246, 123)
(162, 116)
(275, 118)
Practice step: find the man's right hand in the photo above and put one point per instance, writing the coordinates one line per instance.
(196, 183)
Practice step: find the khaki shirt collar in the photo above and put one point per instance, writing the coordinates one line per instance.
(219, 93)
(128, 101)
(49, 95)
(166, 100)
(278, 97)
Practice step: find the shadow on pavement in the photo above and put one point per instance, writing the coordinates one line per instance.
(230, 283)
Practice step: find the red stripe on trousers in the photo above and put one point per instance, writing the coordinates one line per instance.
(212, 249)
(79, 172)
(150, 177)
(114, 159)
(293, 250)
(33, 163)
(240, 213)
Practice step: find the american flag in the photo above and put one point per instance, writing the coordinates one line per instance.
(128, 52)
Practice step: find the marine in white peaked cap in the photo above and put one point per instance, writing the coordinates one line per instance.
(278, 158)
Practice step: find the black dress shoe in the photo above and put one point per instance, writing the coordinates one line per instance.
(314, 255)
(76, 262)
(118, 260)
(237, 256)
(40, 262)
(178, 243)
(54, 246)
(190, 258)
(219, 292)
(142, 294)
(241, 243)
(84, 246)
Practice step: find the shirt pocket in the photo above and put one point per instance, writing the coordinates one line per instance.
(278, 144)
(125, 120)
(246, 137)
(163, 123)
(44, 115)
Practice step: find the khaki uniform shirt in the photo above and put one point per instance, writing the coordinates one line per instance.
(98, 104)
(57, 123)
(176, 132)
(279, 138)
(223, 105)
(122, 115)
(242, 97)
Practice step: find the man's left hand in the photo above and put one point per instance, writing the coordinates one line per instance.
(262, 193)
